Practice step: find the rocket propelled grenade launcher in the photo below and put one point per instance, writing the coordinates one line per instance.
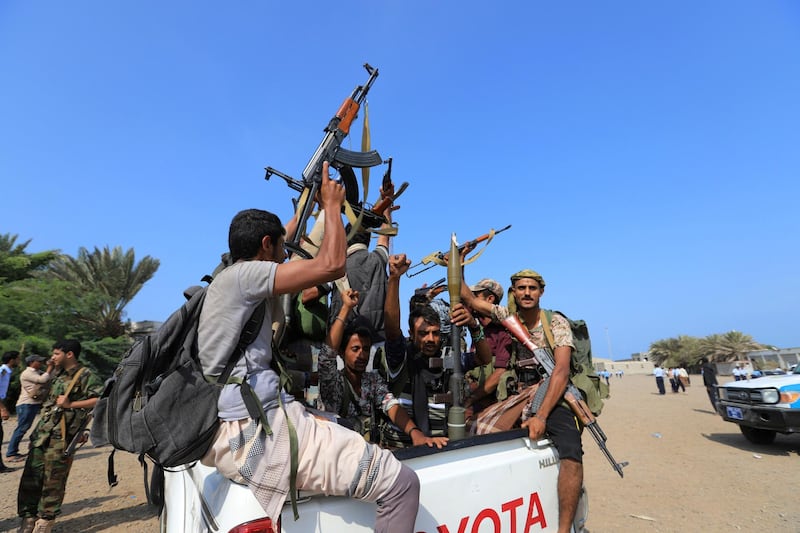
(543, 359)
(456, 425)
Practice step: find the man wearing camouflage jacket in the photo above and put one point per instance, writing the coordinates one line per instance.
(72, 397)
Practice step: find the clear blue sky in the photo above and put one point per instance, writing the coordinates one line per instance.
(646, 153)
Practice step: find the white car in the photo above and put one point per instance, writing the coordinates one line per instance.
(499, 482)
(764, 406)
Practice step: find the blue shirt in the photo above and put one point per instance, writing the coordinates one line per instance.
(5, 380)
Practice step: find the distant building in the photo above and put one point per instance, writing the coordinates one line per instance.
(144, 327)
(780, 358)
(629, 366)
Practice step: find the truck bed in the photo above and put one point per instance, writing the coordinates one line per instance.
(499, 482)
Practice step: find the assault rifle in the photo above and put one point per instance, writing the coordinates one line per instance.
(330, 150)
(371, 218)
(339, 158)
(434, 288)
(80, 437)
(440, 258)
(542, 360)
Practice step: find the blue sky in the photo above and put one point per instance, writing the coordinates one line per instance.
(646, 154)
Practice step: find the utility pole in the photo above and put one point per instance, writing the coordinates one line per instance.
(608, 340)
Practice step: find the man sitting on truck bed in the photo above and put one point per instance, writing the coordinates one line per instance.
(527, 287)
(257, 449)
(355, 394)
(408, 359)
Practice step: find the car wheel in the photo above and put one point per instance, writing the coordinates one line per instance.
(758, 436)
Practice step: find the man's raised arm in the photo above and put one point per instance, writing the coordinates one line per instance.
(398, 265)
(329, 263)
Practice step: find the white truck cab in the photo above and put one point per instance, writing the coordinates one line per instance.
(764, 406)
(488, 483)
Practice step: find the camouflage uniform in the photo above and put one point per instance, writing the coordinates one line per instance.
(44, 480)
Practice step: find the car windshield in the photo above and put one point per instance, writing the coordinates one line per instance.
(796, 370)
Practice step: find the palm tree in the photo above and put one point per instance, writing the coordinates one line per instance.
(681, 351)
(15, 263)
(728, 347)
(664, 350)
(113, 275)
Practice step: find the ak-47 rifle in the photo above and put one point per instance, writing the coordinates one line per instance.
(80, 437)
(441, 258)
(433, 289)
(543, 361)
(330, 149)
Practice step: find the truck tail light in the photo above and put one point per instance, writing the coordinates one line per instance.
(262, 525)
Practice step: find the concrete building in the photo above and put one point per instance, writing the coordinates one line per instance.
(767, 359)
(629, 366)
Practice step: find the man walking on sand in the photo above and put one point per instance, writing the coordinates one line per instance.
(658, 372)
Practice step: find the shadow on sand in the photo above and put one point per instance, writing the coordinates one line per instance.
(90, 523)
(784, 445)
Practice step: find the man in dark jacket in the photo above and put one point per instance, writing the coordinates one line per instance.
(710, 381)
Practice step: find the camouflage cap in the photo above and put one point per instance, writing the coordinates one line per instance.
(490, 285)
(528, 273)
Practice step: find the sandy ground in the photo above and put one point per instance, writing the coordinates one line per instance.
(689, 471)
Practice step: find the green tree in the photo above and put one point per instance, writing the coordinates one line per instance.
(728, 347)
(112, 275)
(103, 355)
(664, 349)
(16, 263)
(681, 351)
(48, 307)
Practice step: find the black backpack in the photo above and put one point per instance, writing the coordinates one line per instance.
(158, 403)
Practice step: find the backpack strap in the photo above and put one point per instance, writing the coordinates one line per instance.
(546, 317)
(251, 400)
(249, 333)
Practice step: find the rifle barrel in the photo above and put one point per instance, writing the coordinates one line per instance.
(442, 256)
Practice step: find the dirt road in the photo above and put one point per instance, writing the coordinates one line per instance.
(689, 471)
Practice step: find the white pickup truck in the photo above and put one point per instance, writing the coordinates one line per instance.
(764, 406)
(488, 483)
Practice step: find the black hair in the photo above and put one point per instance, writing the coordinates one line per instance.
(417, 300)
(358, 325)
(361, 237)
(8, 356)
(68, 345)
(426, 312)
(248, 228)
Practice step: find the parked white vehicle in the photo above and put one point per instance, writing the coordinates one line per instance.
(489, 483)
(763, 406)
